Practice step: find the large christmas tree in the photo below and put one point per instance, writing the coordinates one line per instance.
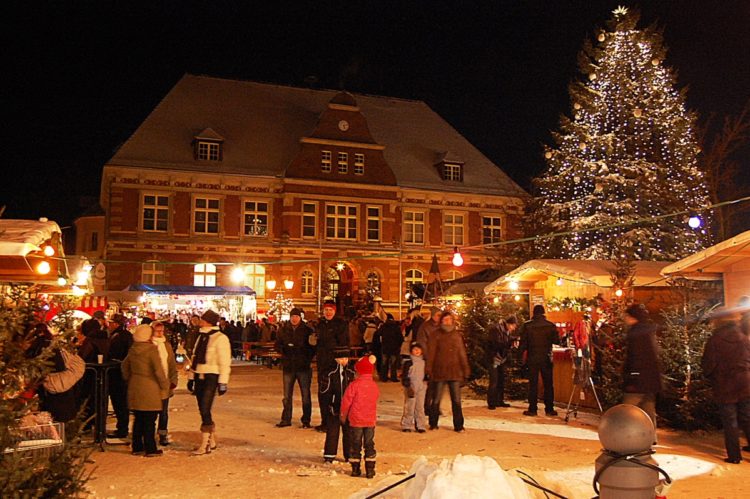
(627, 153)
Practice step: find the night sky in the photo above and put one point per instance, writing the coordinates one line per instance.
(79, 76)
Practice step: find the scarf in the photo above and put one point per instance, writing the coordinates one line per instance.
(201, 346)
(161, 346)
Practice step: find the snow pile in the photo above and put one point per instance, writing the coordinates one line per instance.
(464, 477)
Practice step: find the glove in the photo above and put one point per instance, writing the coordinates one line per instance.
(191, 385)
(223, 388)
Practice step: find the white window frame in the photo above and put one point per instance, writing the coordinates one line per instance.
(209, 151)
(255, 277)
(410, 277)
(414, 223)
(314, 215)
(343, 221)
(379, 280)
(452, 172)
(153, 272)
(359, 163)
(257, 229)
(453, 232)
(325, 161)
(492, 227)
(378, 219)
(343, 162)
(207, 210)
(204, 274)
(158, 210)
(453, 274)
(307, 282)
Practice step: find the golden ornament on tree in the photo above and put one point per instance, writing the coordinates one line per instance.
(601, 37)
(637, 112)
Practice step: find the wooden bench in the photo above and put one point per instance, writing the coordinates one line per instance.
(264, 351)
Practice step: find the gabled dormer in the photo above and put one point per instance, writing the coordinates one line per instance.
(208, 145)
(450, 167)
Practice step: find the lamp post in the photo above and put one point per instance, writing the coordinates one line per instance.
(280, 305)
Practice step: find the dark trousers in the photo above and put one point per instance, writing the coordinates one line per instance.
(733, 418)
(496, 391)
(118, 394)
(455, 392)
(322, 371)
(333, 429)
(549, 394)
(205, 391)
(164, 417)
(362, 437)
(144, 427)
(428, 398)
(389, 365)
(303, 379)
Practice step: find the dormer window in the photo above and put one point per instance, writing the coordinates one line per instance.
(209, 151)
(208, 146)
(453, 172)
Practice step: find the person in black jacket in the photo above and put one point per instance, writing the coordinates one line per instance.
(496, 356)
(331, 393)
(641, 372)
(390, 339)
(293, 343)
(330, 333)
(119, 345)
(537, 337)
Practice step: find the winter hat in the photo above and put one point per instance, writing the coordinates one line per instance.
(296, 311)
(142, 333)
(415, 344)
(538, 310)
(211, 317)
(99, 314)
(637, 312)
(365, 365)
(329, 303)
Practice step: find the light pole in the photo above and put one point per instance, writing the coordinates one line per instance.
(280, 305)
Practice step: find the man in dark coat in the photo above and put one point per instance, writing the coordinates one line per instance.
(293, 343)
(390, 339)
(537, 337)
(641, 372)
(120, 344)
(330, 333)
(496, 357)
(726, 362)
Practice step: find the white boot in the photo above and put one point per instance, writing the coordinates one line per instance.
(204, 447)
(212, 440)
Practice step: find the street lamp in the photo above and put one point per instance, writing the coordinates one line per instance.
(237, 275)
(288, 284)
(271, 284)
(280, 305)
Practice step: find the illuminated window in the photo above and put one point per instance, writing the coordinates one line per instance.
(206, 216)
(309, 219)
(209, 151)
(491, 232)
(413, 227)
(341, 221)
(255, 277)
(256, 218)
(359, 164)
(452, 171)
(152, 272)
(343, 162)
(373, 224)
(155, 213)
(204, 274)
(325, 161)
(414, 276)
(373, 283)
(307, 282)
(453, 229)
(454, 274)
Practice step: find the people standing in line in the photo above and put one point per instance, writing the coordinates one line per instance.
(641, 371)
(330, 333)
(537, 337)
(447, 365)
(359, 416)
(425, 332)
(415, 389)
(209, 372)
(169, 365)
(333, 386)
(497, 356)
(390, 339)
(147, 387)
(726, 362)
(119, 346)
(293, 343)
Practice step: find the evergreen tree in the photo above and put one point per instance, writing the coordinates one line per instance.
(627, 153)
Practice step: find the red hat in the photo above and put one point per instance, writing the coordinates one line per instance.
(365, 365)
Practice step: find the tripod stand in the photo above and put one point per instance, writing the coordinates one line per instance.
(583, 380)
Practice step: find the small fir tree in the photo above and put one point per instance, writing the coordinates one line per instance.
(627, 153)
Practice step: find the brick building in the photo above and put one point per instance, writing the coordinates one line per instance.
(327, 189)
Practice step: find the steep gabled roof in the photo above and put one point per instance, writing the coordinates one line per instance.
(261, 125)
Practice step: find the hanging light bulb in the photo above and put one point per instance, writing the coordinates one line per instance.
(559, 281)
(43, 267)
(458, 260)
(61, 281)
(695, 222)
(49, 250)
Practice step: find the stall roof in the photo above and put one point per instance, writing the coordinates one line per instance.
(711, 262)
(21, 237)
(595, 272)
(166, 289)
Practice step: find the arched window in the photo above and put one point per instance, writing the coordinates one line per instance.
(307, 282)
(454, 274)
(152, 272)
(414, 276)
(373, 283)
(334, 279)
(255, 277)
(204, 274)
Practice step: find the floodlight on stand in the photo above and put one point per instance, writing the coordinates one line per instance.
(237, 275)
(458, 260)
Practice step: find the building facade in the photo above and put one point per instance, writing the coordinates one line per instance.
(340, 194)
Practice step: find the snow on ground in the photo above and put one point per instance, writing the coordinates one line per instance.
(256, 459)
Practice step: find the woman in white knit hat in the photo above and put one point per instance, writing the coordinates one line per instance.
(169, 365)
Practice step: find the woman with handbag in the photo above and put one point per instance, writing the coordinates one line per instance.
(169, 365)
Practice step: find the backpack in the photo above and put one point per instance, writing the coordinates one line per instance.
(63, 381)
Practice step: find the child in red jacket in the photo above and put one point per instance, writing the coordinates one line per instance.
(359, 406)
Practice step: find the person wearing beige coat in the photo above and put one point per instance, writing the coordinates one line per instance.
(169, 365)
(147, 387)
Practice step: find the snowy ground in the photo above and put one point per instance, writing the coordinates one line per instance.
(256, 459)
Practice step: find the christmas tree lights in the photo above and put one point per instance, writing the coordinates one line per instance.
(627, 152)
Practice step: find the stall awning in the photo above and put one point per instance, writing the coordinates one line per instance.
(167, 289)
(711, 262)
